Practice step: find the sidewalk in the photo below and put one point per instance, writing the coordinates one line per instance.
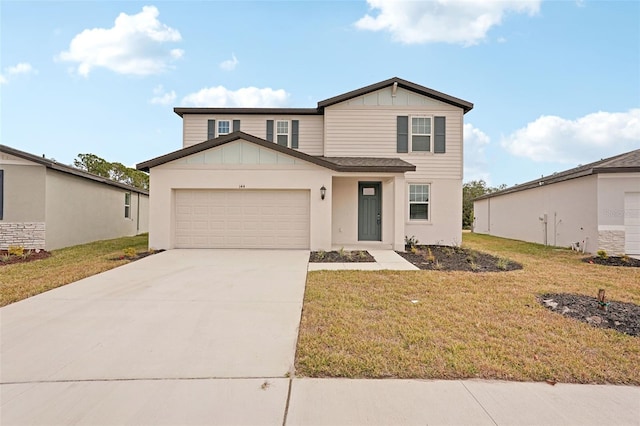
(384, 259)
(459, 402)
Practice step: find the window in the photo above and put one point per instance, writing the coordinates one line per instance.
(421, 134)
(224, 127)
(127, 205)
(282, 133)
(418, 202)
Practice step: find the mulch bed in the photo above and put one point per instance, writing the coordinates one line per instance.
(446, 258)
(613, 261)
(30, 256)
(619, 316)
(342, 256)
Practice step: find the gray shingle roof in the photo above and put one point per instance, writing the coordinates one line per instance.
(628, 162)
(54, 165)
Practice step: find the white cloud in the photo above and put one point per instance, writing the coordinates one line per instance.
(475, 161)
(463, 22)
(586, 139)
(161, 97)
(23, 68)
(220, 96)
(134, 45)
(230, 64)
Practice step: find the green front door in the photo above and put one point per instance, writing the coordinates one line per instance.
(369, 211)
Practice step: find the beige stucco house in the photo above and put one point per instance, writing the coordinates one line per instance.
(592, 207)
(48, 205)
(362, 169)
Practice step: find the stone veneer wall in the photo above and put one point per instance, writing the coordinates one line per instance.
(611, 241)
(30, 235)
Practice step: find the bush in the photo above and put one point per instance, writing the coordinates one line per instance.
(602, 254)
(16, 250)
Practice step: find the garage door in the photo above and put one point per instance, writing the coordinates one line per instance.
(632, 223)
(241, 219)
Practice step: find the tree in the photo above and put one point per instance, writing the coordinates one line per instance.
(471, 190)
(115, 171)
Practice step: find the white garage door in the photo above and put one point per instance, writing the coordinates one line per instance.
(241, 219)
(632, 223)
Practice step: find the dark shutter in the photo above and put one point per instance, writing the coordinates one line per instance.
(294, 134)
(1, 192)
(440, 130)
(211, 129)
(236, 125)
(403, 133)
(270, 130)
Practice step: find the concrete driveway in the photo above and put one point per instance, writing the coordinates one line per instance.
(171, 330)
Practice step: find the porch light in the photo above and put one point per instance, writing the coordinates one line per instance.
(323, 192)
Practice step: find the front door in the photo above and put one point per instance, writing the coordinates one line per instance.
(369, 211)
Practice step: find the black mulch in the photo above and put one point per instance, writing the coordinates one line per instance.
(28, 256)
(445, 258)
(342, 256)
(619, 316)
(613, 261)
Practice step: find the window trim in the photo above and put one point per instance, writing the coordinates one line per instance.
(127, 206)
(411, 134)
(276, 133)
(229, 126)
(428, 202)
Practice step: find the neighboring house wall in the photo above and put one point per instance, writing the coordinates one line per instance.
(79, 211)
(235, 166)
(571, 204)
(611, 190)
(23, 218)
(195, 128)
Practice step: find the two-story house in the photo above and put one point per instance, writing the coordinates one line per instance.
(362, 169)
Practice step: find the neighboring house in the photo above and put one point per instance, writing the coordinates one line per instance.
(365, 168)
(48, 205)
(596, 205)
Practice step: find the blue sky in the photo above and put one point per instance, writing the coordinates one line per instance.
(555, 83)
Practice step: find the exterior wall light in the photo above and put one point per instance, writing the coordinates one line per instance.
(323, 192)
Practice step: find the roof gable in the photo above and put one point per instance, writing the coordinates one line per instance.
(390, 165)
(398, 82)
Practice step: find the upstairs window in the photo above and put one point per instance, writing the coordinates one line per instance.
(421, 134)
(127, 205)
(282, 133)
(224, 127)
(419, 202)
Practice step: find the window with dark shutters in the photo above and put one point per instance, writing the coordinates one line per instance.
(211, 129)
(270, 130)
(440, 130)
(403, 133)
(295, 124)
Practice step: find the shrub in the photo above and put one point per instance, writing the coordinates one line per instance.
(129, 252)
(16, 250)
(411, 241)
(602, 254)
(502, 264)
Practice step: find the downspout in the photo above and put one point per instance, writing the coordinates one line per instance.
(138, 216)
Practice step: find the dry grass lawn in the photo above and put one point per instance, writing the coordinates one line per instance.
(467, 325)
(22, 280)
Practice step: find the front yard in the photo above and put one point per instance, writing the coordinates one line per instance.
(448, 325)
(21, 280)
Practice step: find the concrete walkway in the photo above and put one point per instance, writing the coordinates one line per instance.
(384, 259)
(194, 337)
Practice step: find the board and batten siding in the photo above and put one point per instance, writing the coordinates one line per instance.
(359, 127)
(310, 128)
